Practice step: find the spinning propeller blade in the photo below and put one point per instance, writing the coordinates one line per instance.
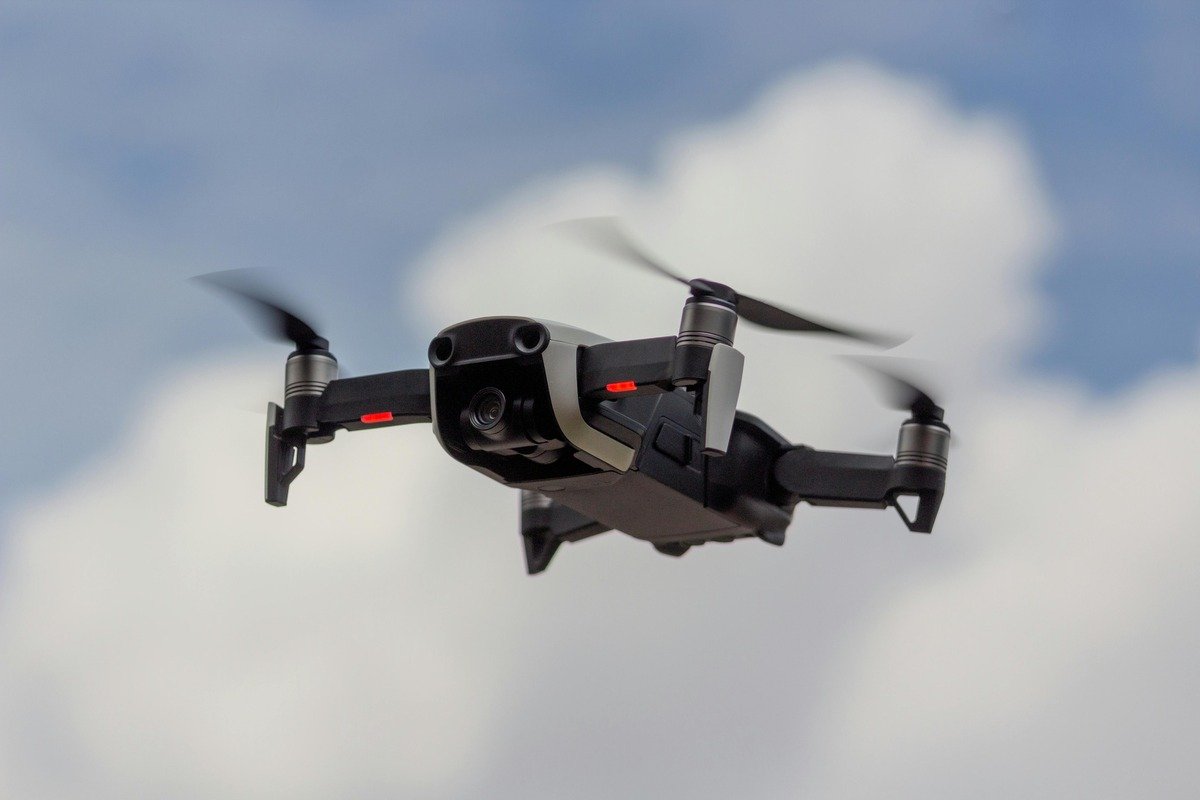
(605, 235)
(900, 393)
(277, 322)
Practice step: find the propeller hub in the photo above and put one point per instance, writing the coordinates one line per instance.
(603, 233)
(308, 373)
(923, 444)
(711, 290)
(707, 321)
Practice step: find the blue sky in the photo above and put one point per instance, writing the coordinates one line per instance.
(329, 143)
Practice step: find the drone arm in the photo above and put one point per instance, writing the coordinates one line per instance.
(373, 401)
(623, 369)
(370, 401)
(821, 477)
(824, 478)
(648, 366)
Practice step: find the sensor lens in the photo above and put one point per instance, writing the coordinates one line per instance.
(487, 409)
(441, 350)
(530, 339)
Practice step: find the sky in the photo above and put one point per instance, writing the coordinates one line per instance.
(1015, 184)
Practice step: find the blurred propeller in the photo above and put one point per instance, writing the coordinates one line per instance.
(605, 235)
(276, 321)
(900, 393)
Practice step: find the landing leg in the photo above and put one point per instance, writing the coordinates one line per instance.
(546, 524)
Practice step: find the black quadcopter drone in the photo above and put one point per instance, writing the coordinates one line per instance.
(640, 436)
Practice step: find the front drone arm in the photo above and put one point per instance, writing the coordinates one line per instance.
(369, 401)
(613, 370)
(316, 403)
(373, 401)
(651, 366)
(823, 478)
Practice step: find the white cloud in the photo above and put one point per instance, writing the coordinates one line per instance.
(173, 635)
(166, 634)
(854, 194)
(1046, 661)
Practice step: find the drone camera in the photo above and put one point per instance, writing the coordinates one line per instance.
(492, 401)
(487, 410)
(493, 423)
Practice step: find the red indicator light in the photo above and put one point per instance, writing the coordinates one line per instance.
(622, 386)
(380, 416)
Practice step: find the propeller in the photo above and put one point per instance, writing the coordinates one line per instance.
(605, 235)
(276, 321)
(900, 393)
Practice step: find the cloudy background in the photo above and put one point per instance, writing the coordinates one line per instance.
(1017, 185)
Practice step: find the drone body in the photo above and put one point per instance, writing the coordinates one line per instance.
(628, 459)
(641, 436)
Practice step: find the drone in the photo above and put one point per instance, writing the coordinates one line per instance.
(641, 436)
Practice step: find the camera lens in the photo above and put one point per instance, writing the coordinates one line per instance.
(487, 409)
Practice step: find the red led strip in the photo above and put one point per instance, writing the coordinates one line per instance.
(621, 386)
(379, 416)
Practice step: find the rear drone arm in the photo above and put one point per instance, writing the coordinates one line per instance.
(313, 413)
(823, 478)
